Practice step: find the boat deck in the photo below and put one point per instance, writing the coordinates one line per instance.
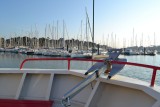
(51, 85)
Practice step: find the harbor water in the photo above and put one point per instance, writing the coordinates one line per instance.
(13, 60)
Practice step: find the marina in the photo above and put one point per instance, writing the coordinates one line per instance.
(7, 59)
(45, 87)
(78, 54)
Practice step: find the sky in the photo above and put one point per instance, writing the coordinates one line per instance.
(118, 23)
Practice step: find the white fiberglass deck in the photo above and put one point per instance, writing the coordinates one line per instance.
(53, 84)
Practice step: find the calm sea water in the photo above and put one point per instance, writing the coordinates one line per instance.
(12, 60)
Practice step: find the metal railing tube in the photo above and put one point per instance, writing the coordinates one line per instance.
(153, 77)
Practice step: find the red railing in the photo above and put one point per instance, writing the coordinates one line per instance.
(155, 68)
(67, 59)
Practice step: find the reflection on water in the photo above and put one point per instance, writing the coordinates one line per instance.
(140, 72)
(12, 60)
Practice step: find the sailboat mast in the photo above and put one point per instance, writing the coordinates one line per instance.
(45, 37)
(87, 33)
(81, 35)
(57, 35)
(63, 36)
(154, 39)
(93, 31)
(53, 35)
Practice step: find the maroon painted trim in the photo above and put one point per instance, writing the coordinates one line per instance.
(155, 68)
(24, 103)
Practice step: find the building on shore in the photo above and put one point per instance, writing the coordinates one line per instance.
(42, 42)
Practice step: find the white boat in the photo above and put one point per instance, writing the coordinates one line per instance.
(39, 51)
(68, 87)
(130, 52)
(151, 52)
(30, 52)
(51, 52)
(2, 50)
(64, 53)
(81, 54)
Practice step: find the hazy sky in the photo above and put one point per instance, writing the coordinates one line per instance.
(114, 19)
